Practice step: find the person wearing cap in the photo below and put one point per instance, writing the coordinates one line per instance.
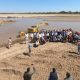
(68, 76)
(53, 75)
(78, 46)
(28, 74)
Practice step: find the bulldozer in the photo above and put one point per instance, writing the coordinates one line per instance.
(33, 29)
(36, 29)
(21, 34)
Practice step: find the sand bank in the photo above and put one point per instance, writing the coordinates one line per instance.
(36, 15)
(6, 21)
(62, 56)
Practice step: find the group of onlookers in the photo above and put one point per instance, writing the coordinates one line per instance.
(65, 35)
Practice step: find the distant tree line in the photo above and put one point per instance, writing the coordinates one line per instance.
(61, 12)
(69, 12)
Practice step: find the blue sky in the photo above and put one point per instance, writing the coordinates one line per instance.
(39, 5)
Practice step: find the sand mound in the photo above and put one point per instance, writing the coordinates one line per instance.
(62, 56)
(6, 21)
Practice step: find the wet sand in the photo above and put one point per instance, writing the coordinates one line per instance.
(62, 56)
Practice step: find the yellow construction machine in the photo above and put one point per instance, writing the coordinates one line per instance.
(21, 34)
(33, 29)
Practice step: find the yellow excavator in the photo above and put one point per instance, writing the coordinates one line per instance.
(33, 29)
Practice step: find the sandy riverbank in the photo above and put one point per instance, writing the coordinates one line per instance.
(38, 15)
(6, 21)
(62, 56)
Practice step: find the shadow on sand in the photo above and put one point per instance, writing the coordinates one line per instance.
(74, 55)
(26, 54)
(72, 52)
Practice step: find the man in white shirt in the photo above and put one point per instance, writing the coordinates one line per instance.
(26, 37)
(9, 42)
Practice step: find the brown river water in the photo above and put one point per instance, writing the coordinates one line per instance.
(12, 29)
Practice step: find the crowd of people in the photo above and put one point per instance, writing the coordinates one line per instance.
(65, 35)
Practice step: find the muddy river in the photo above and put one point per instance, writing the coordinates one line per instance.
(12, 29)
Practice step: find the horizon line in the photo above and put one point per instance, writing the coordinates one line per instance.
(64, 12)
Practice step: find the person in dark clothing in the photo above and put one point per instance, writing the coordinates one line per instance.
(28, 74)
(53, 75)
(78, 44)
(68, 76)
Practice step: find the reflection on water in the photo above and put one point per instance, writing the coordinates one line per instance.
(21, 24)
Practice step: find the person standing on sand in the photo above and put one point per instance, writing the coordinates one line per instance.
(78, 44)
(9, 42)
(29, 48)
(28, 74)
(68, 76)
(26, 37)
(53, 75)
